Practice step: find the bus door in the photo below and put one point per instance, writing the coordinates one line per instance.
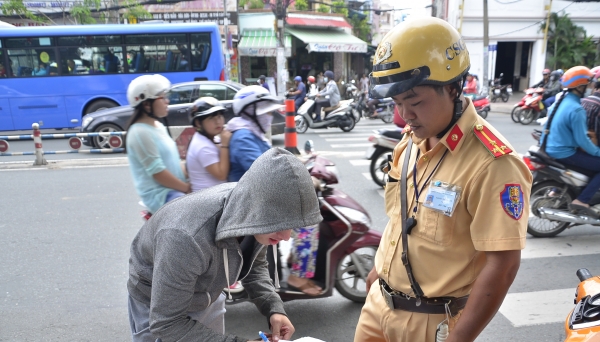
(47, 111)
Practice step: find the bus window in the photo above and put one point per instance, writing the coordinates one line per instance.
(157, 53)
(3, 69)
(91, 60)
(201, 49)
(32, 56)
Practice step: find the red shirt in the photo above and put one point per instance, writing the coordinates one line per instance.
(471, 87)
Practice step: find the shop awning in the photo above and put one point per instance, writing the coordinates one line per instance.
(328, 40)
(262, 43)
(315, 22)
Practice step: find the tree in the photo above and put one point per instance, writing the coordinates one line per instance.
(360, 28)
(18, 8)
(301, 5)
(81, 12)
(323, 9)
(568, 44)
(252, 4)
(133, 9)
(339, 7)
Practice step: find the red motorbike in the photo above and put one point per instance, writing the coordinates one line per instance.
(347, 244)
(482, 105)
(530, 107)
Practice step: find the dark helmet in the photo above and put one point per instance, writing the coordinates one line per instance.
(204, 107)
(329, 74)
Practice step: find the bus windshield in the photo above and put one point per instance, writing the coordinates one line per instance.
(53, 75)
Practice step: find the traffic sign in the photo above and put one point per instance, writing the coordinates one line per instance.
(75, 143)
(115, 141)
(3, 146)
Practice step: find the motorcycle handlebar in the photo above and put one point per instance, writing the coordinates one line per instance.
(583, 274)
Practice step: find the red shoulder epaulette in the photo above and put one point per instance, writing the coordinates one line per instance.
(496, 147)
(406, 129)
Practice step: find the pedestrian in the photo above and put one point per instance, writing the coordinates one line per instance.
(299, 93)
(253, 107)
(453, 243)
(153, 157)
(364, 84)
(192, 248)
(262, 81)
(330, 96)
(591, 104)
(207, 160)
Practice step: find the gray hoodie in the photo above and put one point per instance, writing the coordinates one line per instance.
(184, 256)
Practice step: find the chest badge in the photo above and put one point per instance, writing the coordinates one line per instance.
(511, 199)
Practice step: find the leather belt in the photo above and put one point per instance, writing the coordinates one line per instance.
(399, 301)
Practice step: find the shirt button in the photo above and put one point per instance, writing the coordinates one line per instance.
(425, 158)
(385, 271)
(411, 185)
(393, 243)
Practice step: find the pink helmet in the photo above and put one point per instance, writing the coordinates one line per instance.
(311, 79)
(596, 72)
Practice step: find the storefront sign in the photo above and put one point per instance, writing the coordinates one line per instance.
(334, 47)
(262, 52)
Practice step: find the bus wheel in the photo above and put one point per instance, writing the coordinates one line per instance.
(99, 105)
(102, 142)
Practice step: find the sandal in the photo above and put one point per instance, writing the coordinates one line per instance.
(306, 286)
(580, 209)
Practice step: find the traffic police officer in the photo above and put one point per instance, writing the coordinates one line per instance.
(457, 197)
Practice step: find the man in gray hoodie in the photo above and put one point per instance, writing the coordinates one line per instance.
(195, 246)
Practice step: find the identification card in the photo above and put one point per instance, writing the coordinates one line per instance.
(442, 197)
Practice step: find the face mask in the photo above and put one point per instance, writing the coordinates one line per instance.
(326, 79)
(265, 121)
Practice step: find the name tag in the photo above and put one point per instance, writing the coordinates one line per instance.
(442, 197)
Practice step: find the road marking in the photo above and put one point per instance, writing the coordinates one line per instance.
(366, 135)
(381, 192)
(539, 307)
(345, 154)
(360, 162)
(351, 145)
(346, 139)
(367, 175)
(561, 246)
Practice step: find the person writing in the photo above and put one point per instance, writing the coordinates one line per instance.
(207, 161)
(153, 157)
(192, 248)
(567, 140)
(453, 243)
(300, 92)
(331, 90)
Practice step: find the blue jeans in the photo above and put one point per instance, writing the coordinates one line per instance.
(588, 162)
(173, 194)
(549, 101)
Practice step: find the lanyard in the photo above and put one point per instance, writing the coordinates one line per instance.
(416, 185)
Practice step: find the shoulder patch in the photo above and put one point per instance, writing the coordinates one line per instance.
(496, 147)
(511, 199)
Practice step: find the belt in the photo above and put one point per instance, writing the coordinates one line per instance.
(399, 301)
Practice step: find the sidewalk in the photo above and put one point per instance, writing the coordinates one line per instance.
(506, 108)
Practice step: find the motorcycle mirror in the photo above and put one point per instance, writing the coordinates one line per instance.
(309, 147)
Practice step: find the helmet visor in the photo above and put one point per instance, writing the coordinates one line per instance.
(388, 86)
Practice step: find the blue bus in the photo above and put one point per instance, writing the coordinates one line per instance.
(53, 75)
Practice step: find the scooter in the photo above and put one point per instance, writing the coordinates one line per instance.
(351, 90)
(583, 322)
(339, 116)
(347, 244)
(384, 110)
(384, 141)
(554, 188)
(499, 90)
(529, 94)
(482, 105)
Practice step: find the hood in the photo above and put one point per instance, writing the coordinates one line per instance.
(120, 110)
(275, 194)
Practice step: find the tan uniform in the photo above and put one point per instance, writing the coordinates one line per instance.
(447, 252)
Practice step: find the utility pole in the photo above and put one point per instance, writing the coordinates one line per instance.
(226, 34)
(486, 43)
(282, 74)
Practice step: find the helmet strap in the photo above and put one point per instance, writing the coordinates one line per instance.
(457, 111)
(151, 113)
(254, 118)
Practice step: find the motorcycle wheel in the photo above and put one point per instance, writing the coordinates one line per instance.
(301, 125)
(540, 197)
(348, 281)
(514, 114)
(356, 114)
(493, 99)
(387, 115)
(526, 116)
(483, 113)
(379, 158)
(347, 124)
(504, 97)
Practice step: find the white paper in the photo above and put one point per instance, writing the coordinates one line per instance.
(304, 339)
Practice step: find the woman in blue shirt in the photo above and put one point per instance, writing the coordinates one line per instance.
(567, 141)
(153, 157)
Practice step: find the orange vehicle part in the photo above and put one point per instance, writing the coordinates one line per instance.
(589, 287)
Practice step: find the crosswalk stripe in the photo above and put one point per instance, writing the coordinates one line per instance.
(363, 139)
(561, 246)
(360, 162)
(351, 145)
(538, 307)
(366, 135)
(345, 154)
(367, 175)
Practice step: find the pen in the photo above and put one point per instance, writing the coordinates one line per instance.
(263, 336)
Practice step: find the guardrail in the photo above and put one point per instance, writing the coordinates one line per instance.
(74, 142)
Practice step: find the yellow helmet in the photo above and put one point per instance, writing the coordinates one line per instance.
(418, 52)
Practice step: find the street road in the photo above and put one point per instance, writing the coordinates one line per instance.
(66, 232)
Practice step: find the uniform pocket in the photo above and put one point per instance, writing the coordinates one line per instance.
(391, 198)
(436, 227)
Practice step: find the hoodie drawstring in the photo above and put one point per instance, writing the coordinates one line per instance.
(227, 271)
(276, 273)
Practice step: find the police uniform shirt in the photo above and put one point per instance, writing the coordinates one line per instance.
(446, 252)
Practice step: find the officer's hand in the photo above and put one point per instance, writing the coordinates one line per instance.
(371, 278)
(281, 327)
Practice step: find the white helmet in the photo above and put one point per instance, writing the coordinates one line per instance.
(265, 103)
(146, 87)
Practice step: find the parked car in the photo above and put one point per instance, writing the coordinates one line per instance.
(181, 97)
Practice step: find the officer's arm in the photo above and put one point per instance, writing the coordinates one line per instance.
(487, 295)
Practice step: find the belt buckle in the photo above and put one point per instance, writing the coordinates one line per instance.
(387, 297)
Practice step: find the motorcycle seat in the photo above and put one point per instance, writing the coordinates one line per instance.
(480, 97)
(392, 134)
(331, 109)
(546, 159)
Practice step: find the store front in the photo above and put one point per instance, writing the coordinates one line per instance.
(259, 47)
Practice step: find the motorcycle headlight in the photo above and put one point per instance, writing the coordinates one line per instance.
(354, 216)
(86, 121)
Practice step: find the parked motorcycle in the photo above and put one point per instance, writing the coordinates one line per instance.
(482, 105)
(347, 244)
(554, 188)
(339, 116)
(583, 322)
(351, 90)
(499, 90)
(384, 110)
(384, 141)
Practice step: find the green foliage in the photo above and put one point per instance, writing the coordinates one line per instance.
(82, 12)
(253, 4)
(17, 7)
(568, 44)
(339, 7)
(361, 28)
(323, 9)
(301, 5)
(133, 9)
